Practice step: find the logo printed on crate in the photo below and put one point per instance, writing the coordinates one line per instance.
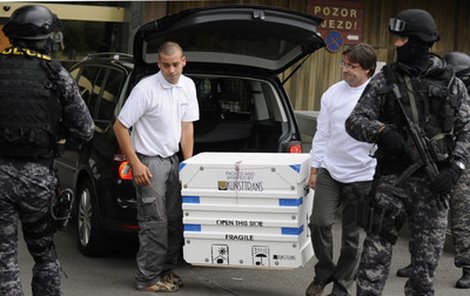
(239, 237)
(240, 181)
(222, 185)
(245, 223)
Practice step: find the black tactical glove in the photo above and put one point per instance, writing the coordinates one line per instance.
(390, 142)
(446, 179)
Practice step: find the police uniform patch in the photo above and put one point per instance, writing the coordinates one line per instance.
(25, 51)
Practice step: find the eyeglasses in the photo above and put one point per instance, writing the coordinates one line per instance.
(397, 25)
(342, 64)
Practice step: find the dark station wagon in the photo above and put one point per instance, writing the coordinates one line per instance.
(234, 54)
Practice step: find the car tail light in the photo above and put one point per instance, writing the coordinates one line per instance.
(125, 171)
(295, 148)
(129, 226)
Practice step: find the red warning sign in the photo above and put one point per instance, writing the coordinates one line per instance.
(345, 17)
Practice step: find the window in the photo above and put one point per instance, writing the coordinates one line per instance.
(100, 88)
(111, 92)
(97, 90)
(86, 80)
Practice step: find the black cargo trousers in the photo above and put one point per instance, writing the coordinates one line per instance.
(27, 188)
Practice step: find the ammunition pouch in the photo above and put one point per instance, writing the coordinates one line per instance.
(376, 221)
(369, 216)
(60, 209)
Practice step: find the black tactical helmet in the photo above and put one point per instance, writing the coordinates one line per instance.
(414, 22)
(31, 22)
(458, 61)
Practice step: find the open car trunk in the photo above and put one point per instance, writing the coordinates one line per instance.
(235, 54)
(237, 114)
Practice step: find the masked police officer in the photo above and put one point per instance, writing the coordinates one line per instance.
(422, 87)
(459, 204)
(459, 201)
(37, 96)
(460, 63)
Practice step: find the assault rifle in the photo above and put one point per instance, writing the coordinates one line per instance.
(423, 158)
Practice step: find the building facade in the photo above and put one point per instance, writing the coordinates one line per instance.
(110, 26)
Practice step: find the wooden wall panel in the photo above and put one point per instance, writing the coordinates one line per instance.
(462, 21)
(322, 69)
(451, 19)
(154, 10)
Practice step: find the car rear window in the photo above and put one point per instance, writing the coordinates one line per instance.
(268, 50)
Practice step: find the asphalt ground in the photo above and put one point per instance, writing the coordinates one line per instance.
(114, 274)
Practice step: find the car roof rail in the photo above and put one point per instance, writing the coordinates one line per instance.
(115, 55)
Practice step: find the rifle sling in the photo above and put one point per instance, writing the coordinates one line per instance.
(408, 172)
(412, 98)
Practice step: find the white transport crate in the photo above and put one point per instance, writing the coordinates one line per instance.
(247, 210)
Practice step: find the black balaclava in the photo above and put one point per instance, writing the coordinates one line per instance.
(414, 54)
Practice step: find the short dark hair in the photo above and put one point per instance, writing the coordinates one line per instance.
(364, 55)
(169, 48)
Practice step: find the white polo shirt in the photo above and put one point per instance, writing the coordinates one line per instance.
(156, 108)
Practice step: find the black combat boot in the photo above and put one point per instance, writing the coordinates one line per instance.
(315, 288)
(405, 271)
(464, 281)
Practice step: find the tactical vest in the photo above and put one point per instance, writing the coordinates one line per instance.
(429, 102)
(30, 110)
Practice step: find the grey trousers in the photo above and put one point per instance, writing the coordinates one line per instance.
(159, 215)
(329, 196)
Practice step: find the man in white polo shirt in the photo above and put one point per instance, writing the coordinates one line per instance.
(161, 109)
(341, 169)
